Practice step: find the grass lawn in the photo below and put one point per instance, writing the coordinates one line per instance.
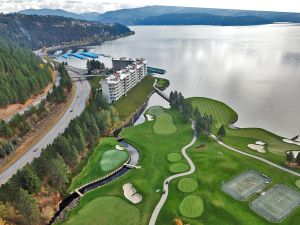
(179, 167)
(191, 206)
(135, 97)
(95, 82)
(162, 83)
(187, 185)
(155, 110)
(96, 212)
(154, 150)
(164, 124)
(112, 159)
(214, 164)
(174, 157)
(240, 138)
(92, 170)
(298, 183)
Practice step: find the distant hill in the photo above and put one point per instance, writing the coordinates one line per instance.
(136, 16)
(59, 12)
(38, 31)
(203, 19)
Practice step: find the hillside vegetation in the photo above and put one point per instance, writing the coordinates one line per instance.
(21, 74)
(35, 31)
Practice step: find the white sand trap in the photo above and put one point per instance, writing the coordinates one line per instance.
(295, 153)
(131, 194)
(260, 143)
(118, 147)
(149, 117)
(291, 141)
(259, 148)
(232, 126)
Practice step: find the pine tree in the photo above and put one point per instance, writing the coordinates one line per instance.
(28, 207)
(290, 156)
(222, 132)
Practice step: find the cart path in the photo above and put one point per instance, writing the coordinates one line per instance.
(255, 157)
(167, 181)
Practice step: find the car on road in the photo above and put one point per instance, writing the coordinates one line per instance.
(35, 150)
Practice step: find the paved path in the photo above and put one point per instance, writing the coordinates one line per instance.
(169, 179)
(75, 109)
(255, 157)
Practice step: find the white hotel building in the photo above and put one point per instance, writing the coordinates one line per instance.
(118, 84)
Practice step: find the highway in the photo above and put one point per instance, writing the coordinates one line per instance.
(75, 109)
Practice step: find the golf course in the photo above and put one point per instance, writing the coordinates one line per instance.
(194, 199)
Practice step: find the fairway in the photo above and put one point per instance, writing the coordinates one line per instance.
(179, 168)
(174, 157)
(221, 113)
(297, 183)
(164, 124)
(191, 206)
(112, 159)
(155, 110)
(92, 170)
(187, 185)
(245, 185)
(105, 210)
(277, 203)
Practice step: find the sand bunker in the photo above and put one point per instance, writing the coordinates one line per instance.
(260, 143)
(131, 194)
(259, 148)
(291, 141)
(118, 147)
(149, 117)
(232, 126)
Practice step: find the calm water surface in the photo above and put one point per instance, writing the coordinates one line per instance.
(256, 70)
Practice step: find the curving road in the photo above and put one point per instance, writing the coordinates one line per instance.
(75, 109)
(255, 157)
(169, 179)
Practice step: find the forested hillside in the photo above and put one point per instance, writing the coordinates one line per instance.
(35, 31)
(21, 74)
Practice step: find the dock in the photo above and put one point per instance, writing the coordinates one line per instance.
(155, 70)
(90, 55)
(78, 55)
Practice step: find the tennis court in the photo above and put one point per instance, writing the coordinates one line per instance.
(277, 203)
(245, 185)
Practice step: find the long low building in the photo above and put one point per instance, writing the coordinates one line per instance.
(118, 84)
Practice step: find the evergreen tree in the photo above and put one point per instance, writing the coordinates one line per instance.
(290, 156)
(298, 160)
(27, 205)
(222, 131)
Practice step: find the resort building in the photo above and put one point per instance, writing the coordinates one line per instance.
(119, 83)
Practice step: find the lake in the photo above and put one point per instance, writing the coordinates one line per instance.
(254, 69)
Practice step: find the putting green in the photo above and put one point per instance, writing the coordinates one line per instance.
(164, 124)
(156, 110)
(179, 167)
(187, 185)
(191, 206)
(174, 157)
(106, 210)
(297, 183)
(111, 159)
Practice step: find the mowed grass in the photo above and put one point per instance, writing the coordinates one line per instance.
(93, 170)
(153, 149)
(221, 113)
(191, 206)
(174, 157)
(127, 105)
(214, 165)
(97, 212)
(179, 167)
(155, 110)
(112, 159)
(240, 138)
(297, 183)
(164, 124)
(187, 185)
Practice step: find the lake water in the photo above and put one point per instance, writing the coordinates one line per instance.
(255, 70)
